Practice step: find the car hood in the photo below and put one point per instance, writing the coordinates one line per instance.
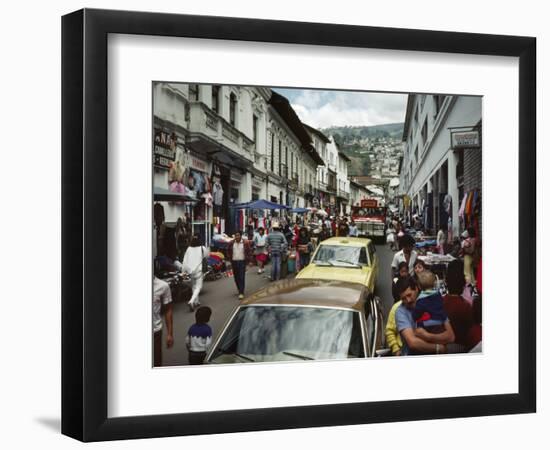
(350, 274)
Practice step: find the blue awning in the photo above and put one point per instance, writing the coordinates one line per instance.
(299, 210)
(259, 204)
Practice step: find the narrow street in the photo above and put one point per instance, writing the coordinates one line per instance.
(383, 283)
(221, 295)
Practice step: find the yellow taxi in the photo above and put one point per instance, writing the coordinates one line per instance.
(350, 259)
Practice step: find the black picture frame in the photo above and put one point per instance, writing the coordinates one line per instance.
(84, 224)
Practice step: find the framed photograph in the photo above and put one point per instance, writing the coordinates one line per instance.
(273, 225)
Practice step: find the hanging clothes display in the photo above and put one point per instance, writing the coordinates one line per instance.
(199, 181)
(217, 197)
(447, 203)
(176, 186)
(462, 207)
(217, 193)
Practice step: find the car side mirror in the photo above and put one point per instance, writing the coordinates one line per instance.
(383, 352)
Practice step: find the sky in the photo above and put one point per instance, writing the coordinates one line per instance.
(322, 109)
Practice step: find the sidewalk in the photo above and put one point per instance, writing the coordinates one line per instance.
(220, 295)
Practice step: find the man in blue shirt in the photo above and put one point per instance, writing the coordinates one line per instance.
(417, 340)
(276, 245)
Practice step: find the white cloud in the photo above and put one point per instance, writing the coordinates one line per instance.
(325, 108)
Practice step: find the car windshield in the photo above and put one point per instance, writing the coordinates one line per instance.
(342, 256)
(290, 333)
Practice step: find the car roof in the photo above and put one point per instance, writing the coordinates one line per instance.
(310, 292)
(347, 241)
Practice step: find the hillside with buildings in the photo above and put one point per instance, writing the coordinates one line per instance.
(373, 150)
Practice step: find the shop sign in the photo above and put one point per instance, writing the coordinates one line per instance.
(164, 151)
(198, 164)
(332, 200)
(465, 139)
(369, 203)
(163, 156)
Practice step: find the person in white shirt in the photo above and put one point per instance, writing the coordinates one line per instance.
(192, 265)
(162, 305)
(239, 253)
(260, 249)
(407, 254)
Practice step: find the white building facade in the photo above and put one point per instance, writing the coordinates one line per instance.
(224, 145)
(442, 159)
(207, 144)
(358, 192)
(343, 199)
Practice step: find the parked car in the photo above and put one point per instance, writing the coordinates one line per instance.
(351, 259)
(302, 320)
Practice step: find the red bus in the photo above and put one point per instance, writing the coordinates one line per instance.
(370, 218)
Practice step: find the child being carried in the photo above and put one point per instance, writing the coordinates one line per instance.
(429, 312)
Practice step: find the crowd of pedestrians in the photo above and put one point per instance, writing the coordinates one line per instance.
(433, 313)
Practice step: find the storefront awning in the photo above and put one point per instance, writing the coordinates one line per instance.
(164, 195)
(260, 204)
(299, 210)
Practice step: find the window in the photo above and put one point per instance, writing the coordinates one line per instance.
(216, 99)
(369, 322)
(340, 256)
(194, 92)
(272, 150)
(280, 155)
(363, 257)
(255, 128)
(284, 333)
(233, 109)
(372, 252)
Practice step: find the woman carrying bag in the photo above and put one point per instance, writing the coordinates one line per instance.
(193, 262)
(305, 247)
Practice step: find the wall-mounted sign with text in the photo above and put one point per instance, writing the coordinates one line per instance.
(163, 156)
(198, 164)
(465, 139)
(164, 151)
(369, 203)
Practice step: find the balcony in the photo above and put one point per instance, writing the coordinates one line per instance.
(293, 182)
(210, 133)
(343, 194)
